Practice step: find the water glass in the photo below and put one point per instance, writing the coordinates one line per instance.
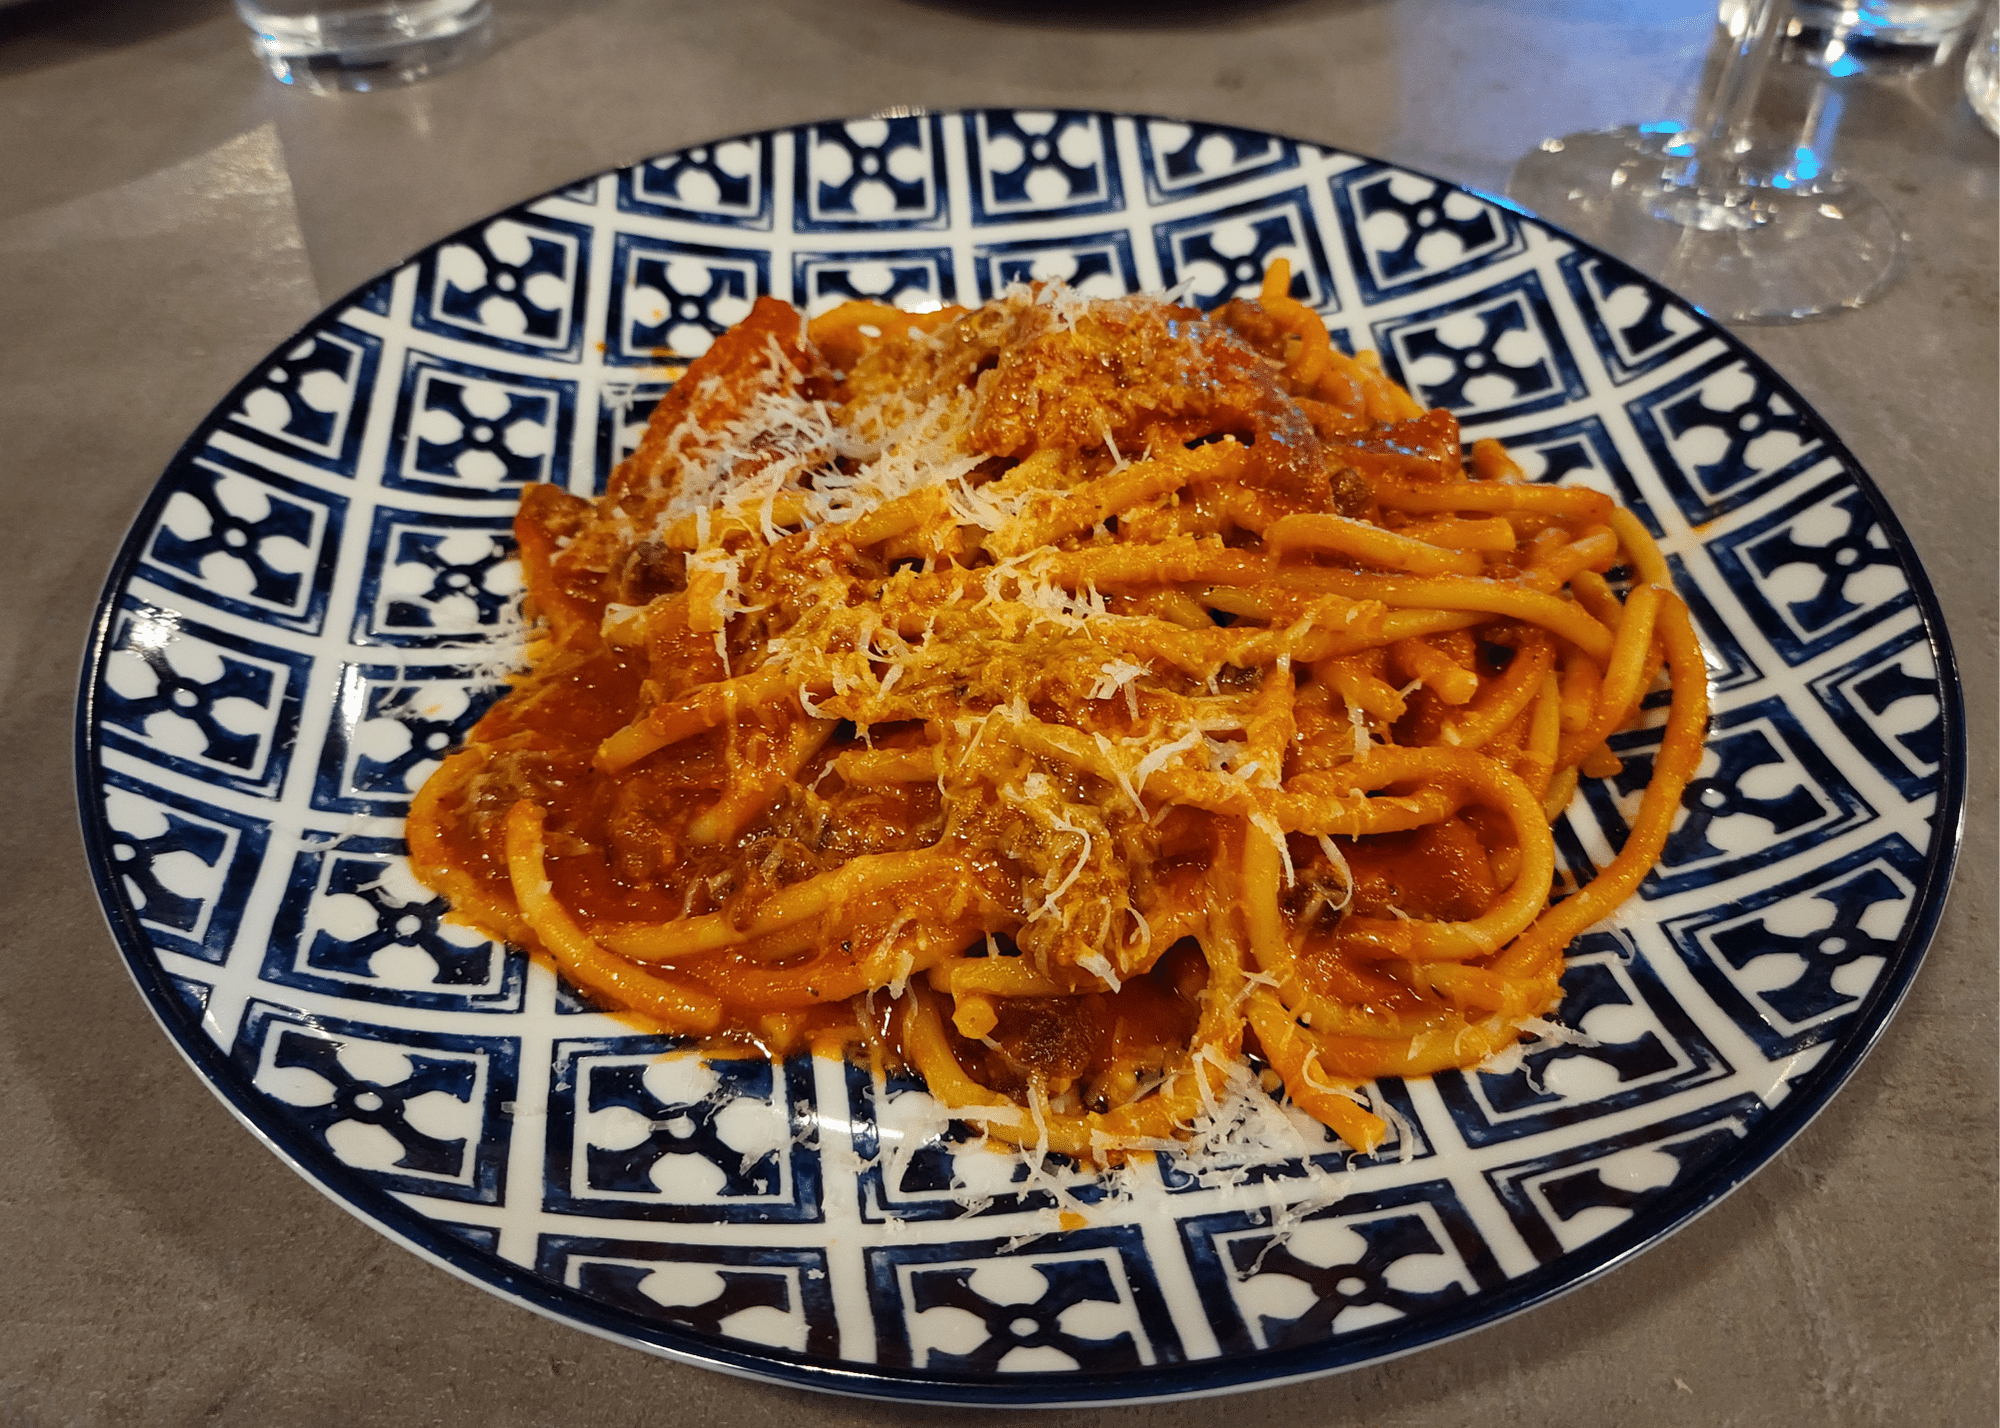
(328, 45)
(1982, 70)
(1879, 36)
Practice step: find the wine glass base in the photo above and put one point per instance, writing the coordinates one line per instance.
(1751, 253)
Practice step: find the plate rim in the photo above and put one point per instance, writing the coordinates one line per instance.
(521, 1285)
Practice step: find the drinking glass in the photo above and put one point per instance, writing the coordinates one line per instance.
(1879, 36)
(1748, 231)
(327, 45)
(1982, 70)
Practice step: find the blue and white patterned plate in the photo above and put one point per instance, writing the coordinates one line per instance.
(316, 599)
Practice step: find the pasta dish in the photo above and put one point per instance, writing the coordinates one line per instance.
(1075, 701)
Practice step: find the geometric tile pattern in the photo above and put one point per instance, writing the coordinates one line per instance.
(398, 722)
(1222, 253)
(1765, 792)
(201, 700)
(320, 596)
(972, 1306)
(1638, 1046)
(1721, 434)
(1792, 960)
(356, 923)
(872, 175)
(461, 427)
(910, 278)
(1410, 232)
(1570, 1195)
(1635, 326)
(1098, 264)
(1180, 160)
(1887, 700)
(717, 185)
(305, 402)
(919, 1165)
(414, 1111)
(225, 533)
(1040, 166)
(671, 299)
(776, 1299)
(182, 869)
(1494, 354)
(642, 1127)
(518, 284)
(436, 580)
(1817, 569)
(1366, 1261)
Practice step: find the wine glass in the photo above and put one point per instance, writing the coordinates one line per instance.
(1749, 232)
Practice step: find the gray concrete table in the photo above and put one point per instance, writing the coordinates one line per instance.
(168, 213)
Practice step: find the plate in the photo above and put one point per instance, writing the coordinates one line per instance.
(315, 602)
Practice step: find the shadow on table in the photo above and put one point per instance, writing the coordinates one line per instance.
(52, 31)
(1131, 14)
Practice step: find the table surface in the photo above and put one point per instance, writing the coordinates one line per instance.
(168, 213)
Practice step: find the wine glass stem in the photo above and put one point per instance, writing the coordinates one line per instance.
(1714, 143)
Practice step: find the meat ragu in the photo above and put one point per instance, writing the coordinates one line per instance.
(1084, 703)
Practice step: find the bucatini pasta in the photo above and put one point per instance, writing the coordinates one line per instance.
(1072, 700)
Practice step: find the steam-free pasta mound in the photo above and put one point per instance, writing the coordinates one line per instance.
(1078, 702)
